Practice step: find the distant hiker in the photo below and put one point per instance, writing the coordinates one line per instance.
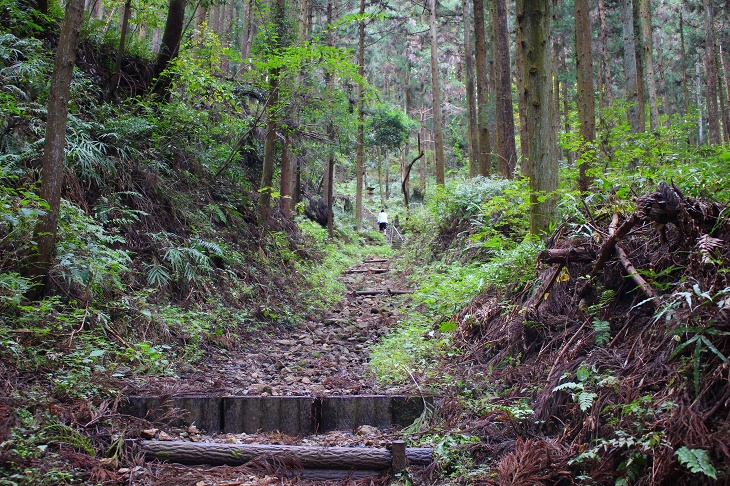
(383, 220)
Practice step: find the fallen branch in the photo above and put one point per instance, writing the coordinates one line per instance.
(382, 292)
(565, 255)
(539, 295)
(368, 270)
(308, 457)
(638, 279)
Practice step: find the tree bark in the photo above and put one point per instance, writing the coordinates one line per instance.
(117, 75)
(329, 87)
(287, 177)
(360, 155)
(170, 42)
(713, 119)
(685, 80)
(505, 129)
(470, 94)
(272, 121)
(436, 96)
(586, 99)
(534, 20)
(307, 457)
(605, 93)
(726, 80)
(54, 156)
(630, 67)
(485, 149)
(648, 61)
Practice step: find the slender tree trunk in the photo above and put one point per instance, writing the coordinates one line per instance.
(329, 86)
(485, 149)
(436, 94)
(505, 129)
(247, 30)
(648, 61)
(54, 156)
(170, 42)
(272, 123)
(639, 67)
(698, 88)
(630, 67)
(360, 118)
(713, 119)
(726, 80)
(606, 93)
(586, 100)
(521, 101)
(287, 177)
(685, 80)
(117, 76)
(470, 94)
(534, 19)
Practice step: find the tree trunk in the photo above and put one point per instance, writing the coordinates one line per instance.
(329, 87)
(287, 177)
(606, 93)
(534, 20)
(505, 129)
(630, 67)
(360, 118)
(54, 156)
(648, 61)
(584, 73)
(726, 80)
(470, 94)
(436, 96)
(713, 119)
(248, 29)
(641, 106)
(272, 122)
(307, 457)
(117, 75)
(170, 43)
(521, 103)
(685, 81)
(485, 149)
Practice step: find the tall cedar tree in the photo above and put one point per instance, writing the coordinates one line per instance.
(170, 43)
(636, 118)
(272, 121)
(480, 42)
(54, 155)
(360, 154)
(713, 118)
(436, 94)
(470, 94)
(647, 56)
(584, 72)
(533, 17)
(505, 129)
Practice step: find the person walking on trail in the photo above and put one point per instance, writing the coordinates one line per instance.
(383, 220)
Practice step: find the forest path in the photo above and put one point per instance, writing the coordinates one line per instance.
(322, 357)
(325, 356)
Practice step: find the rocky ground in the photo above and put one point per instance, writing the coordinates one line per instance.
(328, 356)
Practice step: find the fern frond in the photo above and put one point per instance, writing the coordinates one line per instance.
(64, 434)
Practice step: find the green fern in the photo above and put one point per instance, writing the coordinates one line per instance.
(64, 434)
(601, 331)
(696, 460)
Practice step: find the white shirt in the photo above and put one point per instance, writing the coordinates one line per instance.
(382, 217)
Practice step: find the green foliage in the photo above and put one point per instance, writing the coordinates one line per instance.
(63, 434)
(696, 460)
(389, 127)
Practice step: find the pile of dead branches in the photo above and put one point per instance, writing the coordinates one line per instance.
(620, 349)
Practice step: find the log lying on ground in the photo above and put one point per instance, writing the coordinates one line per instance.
(367, 270)
(381, 292)
(376, 260)
(307, 457)
(566, 255)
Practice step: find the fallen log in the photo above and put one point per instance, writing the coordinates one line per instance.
(382, 292)
(368, 270)
(376, 260)
(638, 279)
(566, 255)
(308, 457)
